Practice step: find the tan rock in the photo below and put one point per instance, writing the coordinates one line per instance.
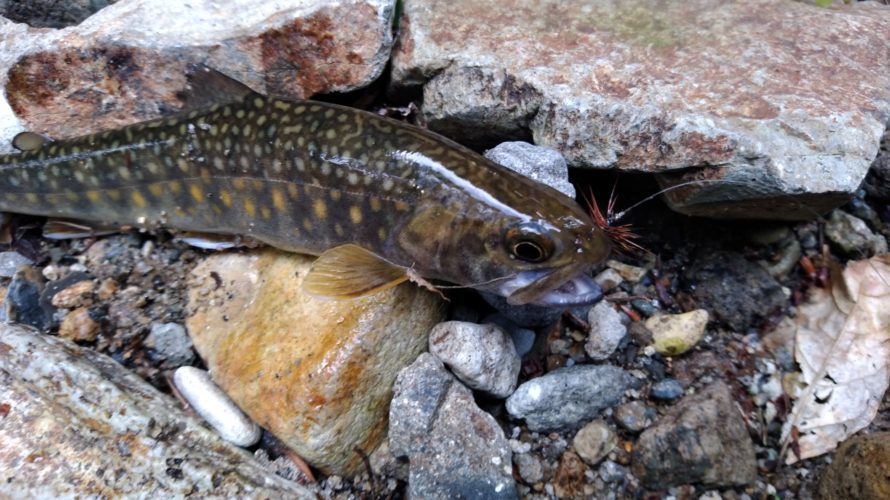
(318, 373)
(860, 469)
(674, 334)
(127, 63)
(77, 295)
(79, 326)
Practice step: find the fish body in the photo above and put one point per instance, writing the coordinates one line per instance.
(321, 179)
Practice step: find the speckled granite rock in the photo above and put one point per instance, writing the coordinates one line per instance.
(128, 62)
(789, 125)
(317, 373)
(75, 423)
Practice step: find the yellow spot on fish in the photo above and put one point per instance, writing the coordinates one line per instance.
(123, 172)
(320, 209)
(93, 195)
(156, 189)
(330, 133)
(278, 198)
(249, 207)
(72, 196)
(338, 229)
(381, 233)
(293, 191)
(355, 214)
(352, 178)
(401, 206)
(182, 164)
(226, 197)
(114, 194)
(33, 198)
(376, 205)
(138, 199)
(196, 192)
(259, 102)
(175, 186)
(307, 224)
(336, 194)
(256, 184)
(266, 213)
(238, 184)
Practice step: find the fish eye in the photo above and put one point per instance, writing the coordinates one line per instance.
(529, 243)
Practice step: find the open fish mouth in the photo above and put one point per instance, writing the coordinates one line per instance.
(548, 288)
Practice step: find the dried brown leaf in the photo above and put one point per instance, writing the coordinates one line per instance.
(843, 349)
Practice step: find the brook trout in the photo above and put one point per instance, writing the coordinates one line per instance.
(379, 201)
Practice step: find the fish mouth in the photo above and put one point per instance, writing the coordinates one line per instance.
(551, 288)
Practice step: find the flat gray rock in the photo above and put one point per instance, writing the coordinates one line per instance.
(568, 397)
(782, 104)
(455, 450)
(76, 423)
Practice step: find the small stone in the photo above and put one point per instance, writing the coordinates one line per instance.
(852, 236)
(644, 307)
(608, 279)
(23, 303)
(214, 406)
(171, 342)
(703, 439)
(541, 164)
(611, 472)
(77, 295)
(10, 262)
(79, 326)
(859, 469)
(481, 356)
(107, 288)
(668, 389)
(606, 331)
(594, 441)
(435, 423)
(566, 397)
(639, 333)
(675, 334)
(529, 467)
(630, 273)
(568, 480)
(634, 416)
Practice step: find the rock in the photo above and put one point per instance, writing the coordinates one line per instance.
(529, 467)
(544, 165)
(454, 448)
(611, 472)
(739, 293)
(172, 343)
(608, 279)
(668, 390)
(317, 373)
(481, 356)
(51, 14)
(594, 441)
(852, 236)
(703, 439)
(528, 315)
(523, 338)
(859, 469)
(212, 404)
(634, 416)
(23, 302)
(77, 294)
(568, 480)
(632, 85)
(79, 326)
(877, 183)
(10, 262)
(77, 424)
(606, 331)
(630, 273)
(566, 397)
(128, 62)
(674, 334)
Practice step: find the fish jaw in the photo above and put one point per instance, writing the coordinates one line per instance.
(537, 287)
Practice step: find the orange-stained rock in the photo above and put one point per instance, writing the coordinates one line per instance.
(317, 373)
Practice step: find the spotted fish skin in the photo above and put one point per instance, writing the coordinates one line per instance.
(307, 176)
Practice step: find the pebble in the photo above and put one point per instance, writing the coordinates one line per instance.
(76, 295)
(567, 397)
(541, 164)
(171, 342)
(852, 236)
(634, 416)
(606, 331)
(454, 449)
(858, 469)
(666, 390)
(481, 356)
(702, 439)
(568, 480)
(675, 334)
(612, 472)
(10, 262)
(594, 441)
(630, 273)
(23, 304)
(79, 326)
(608, 279)
(644, 307)
(214, 406)
(529, 467)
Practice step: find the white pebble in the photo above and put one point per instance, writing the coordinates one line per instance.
(214, 406)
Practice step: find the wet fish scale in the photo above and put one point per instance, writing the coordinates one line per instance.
(302, 176)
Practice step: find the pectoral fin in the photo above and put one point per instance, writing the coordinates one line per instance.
(65, 229)
(350, 271)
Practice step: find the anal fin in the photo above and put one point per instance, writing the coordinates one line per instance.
(350, 271)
